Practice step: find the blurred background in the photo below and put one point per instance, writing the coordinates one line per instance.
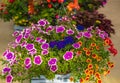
(112, 12)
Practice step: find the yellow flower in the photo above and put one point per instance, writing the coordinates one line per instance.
(99, 81)
(93, 44)
(16, 17)
(88, 53)
(90, 66)
(97, 75)
(98, 21)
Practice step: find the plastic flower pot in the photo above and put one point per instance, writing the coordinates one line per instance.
(58, 79)
(18, 28)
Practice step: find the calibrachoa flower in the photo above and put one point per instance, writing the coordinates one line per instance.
(27, 61)
(68, 55)
(70, 32)
(10, 56)
(45, 46)
(44, 52)
(53, 68)
(76, 45)
(52, 61)
(60, 29)
(52, 44)
(30, 47)
(6, 70)
(37, 60)
(9, 78)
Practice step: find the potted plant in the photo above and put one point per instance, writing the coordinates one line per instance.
(61, 42)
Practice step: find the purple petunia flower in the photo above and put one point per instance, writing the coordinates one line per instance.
(23, 44)
(32, 52)
(5, 53)
(37, 60)
(76, 45)
(30, 47)
(27, 61)
(38, 39)
(45, 46)
(52, 61)
(6, 70)
(68, 55)
(9, 78)
(102, 36)
(80, 34)
(28, 66)
(15, 34)
(50, 28)
(42, 22)
(18, 38)
(54, 68)
(60, 29)
(42, 41)
(44, 52)
(70, 32)
(90, 29)
(10, 56)
(87, 35)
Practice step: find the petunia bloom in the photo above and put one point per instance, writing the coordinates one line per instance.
(37, 60)
(70, 32)
(18, 38)
(9, 78)
(68, 55)
(44, 52)
(54, 68)
(42, 22)
(27, 61)
(87, 34)
(60, 29)
(30, 47)
(6, 70)
(52, 61)
(45, 46)
(10, 56)
(76, 45)
(28, 66)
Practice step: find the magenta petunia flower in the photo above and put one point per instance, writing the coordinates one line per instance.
(15, 34)
(44, 52)
(28, 66)
(37, 60)
(26, 35)
(42, 22)
(70, 32)
(27, 61)
(30, 47)
(6, 70)
(38, 39)
(87, 34)
(45, 46)
(32, 52)
(9, 78)
(68, 55)
(50, 28)
(54, 68)
(5, 53)
(60, 29)
(42, 41)
(23, 44)
(76, 45)
(10, 56)
(18, 38)
(52, 61)
(80, 34)
(102, 36)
